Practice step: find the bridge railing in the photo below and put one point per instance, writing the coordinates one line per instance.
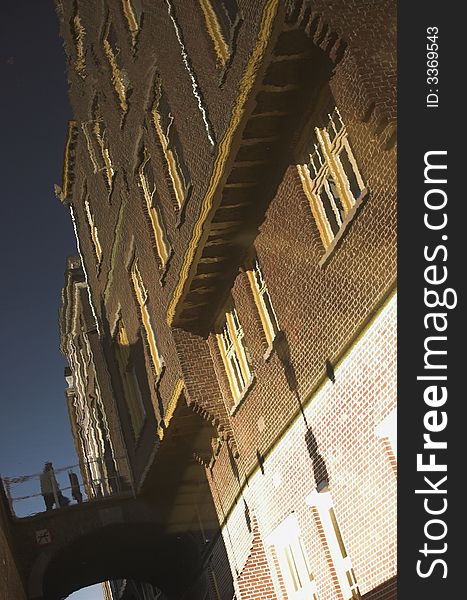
(65, 486)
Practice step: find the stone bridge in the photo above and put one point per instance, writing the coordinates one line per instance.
(63, 550)
(164, 535)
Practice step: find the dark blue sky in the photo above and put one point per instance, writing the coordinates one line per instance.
(36, 236)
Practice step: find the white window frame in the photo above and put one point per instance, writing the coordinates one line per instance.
(233, 353)
(263, 302)
(293, 561)
(340, 558)
(324, 168)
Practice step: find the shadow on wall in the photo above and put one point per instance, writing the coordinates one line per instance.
(319, 466)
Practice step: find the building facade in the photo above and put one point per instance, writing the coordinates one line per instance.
(95, 423)
(230, 172)
(124, 589)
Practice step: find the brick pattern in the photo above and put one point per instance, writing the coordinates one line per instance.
(342, 416)
(320, 540)
(220, 577)
(200, 378)
(121, 219)
(254, 581)
(321, 310)
(276, 573)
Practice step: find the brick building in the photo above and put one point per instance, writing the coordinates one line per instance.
(11, 583)
(231, 177)
(129, 590)
(95, 425)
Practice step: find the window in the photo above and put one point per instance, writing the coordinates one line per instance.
(168, 137)
(147, 183)
(59, 5)
(342, 563)
(93, 231)
(221, 18)
(142, 300)
(133, 10)
(78, 33)
(263, 302)
(331, 179)
(120, 79)
(293, 562)
(68, 177)
(106, 162)
(130, 382)
(96, 140)
(233, 353)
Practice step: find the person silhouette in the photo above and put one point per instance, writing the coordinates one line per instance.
(49, 487)
(75, 488)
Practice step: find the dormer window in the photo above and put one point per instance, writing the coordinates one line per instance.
(78, 33)
(133, 11)
(148, 186)
(221, 18)
(93, 231)
(120, 79)
(171, 147)
(98, 148)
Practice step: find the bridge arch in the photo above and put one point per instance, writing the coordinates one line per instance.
(136, 551)
(168, 534)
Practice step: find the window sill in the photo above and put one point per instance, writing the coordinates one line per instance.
(336, 242)
(245, 393)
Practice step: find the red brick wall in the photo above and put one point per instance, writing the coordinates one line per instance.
(321, 310)
(254, 580)
(11, 585)
(342, 416)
